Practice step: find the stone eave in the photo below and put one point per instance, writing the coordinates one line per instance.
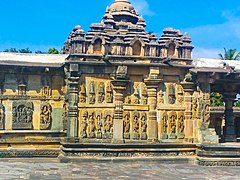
(133, 60)
(32, 60)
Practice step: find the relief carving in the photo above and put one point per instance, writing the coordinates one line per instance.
(144, 97)
(164, 125)
(46, 116)
(46, 86)
(161, 97)
(91, 126)
(65, 115)
(83, 94)
(172, 125)
(22, 86)
(180, 93)
(108, 126)
(22, 113)
(171, 94)
(136, 116)
(109, 95)
(144, 126)
(99, 125)
(2, 117)
(136, 95)
(84, 124)
(181, 125)
(126, 125)
(92, 95)
(121, 72)
(101, 92)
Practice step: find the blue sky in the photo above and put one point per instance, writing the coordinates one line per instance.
(40, 24)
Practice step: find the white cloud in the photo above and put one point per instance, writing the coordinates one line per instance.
(142, 7)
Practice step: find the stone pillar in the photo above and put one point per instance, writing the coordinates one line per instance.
(119, 87)
(229, 130)
(188, 87)
(73, 93)
(152, 84)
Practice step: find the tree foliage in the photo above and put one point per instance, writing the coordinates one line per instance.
(52, 51)
(230, 54)
(216, 99)
(12, 50)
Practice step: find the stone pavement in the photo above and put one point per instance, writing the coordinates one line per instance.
(125, 170)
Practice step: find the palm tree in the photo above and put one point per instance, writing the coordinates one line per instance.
(230, 54)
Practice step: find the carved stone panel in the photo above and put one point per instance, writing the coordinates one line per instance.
(180, 125)
(84, 124)
(144, 126)
(180, 94)
(99, 125)
(172, 126)
(46, 86)
(91, 126)
(171, 94)
(2, 117)
(101, 92)
(126, 125)
(109, 93)
(144, 95)
(46, 116)
(164, 125)
(135, 124)
(22, 115)
(83, 94)
(92, 93)
(108, 125)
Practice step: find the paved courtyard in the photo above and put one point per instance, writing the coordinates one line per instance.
(51, 169)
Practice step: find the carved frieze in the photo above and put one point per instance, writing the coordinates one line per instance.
(46, 116)
(22, 115)
(2, 116)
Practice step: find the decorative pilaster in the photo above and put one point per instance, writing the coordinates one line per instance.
(73, 93)
(119, 86)
(229, 130)
(152, 84)
(188, 86)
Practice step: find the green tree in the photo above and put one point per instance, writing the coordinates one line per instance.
(230, 54)
(24, 50)
(216, 100)
(12, 50)
(52, 51)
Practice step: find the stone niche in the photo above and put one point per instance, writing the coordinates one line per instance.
(22, 115)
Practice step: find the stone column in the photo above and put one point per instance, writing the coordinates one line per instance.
(73, 93)
(119, 87)
(152, 85)
(229, 131)
(188, 87)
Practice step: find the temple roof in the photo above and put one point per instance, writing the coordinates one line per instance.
(39, 60)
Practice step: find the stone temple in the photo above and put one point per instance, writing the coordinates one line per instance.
(118, 91)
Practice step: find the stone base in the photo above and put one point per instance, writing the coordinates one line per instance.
(227, 154)
(77, 151)
(22, 126)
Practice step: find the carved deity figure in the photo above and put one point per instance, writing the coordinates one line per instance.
(101, 93)
(45, 116)
(91, 126)
(108, 126)
(181, 124)
(128, 99)
(126, 125)
(109, 94)
(84, 124)
(136, 95)
(2, 116)
(171, 94)
(160, 97)
(144, 95)
(144, 126)
(164, 123)
(99, 126)
(83, 93)
(92, 94)
(172, 123)
(136, 125)
(22, 113)
(180, 94)
(46, 86)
